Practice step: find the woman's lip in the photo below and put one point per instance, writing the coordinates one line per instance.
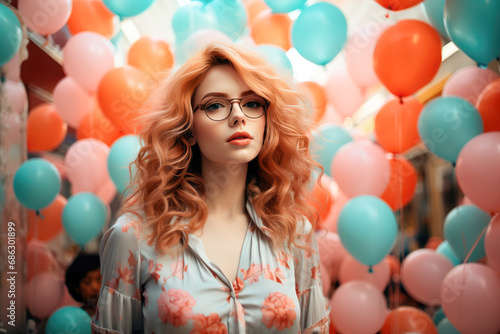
(240, 141)
(240, 135)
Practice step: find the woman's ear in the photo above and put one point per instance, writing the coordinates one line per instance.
(191, 140)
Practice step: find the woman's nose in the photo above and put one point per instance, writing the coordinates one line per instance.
(237, 114)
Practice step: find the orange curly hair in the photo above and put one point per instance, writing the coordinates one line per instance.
(167, 184)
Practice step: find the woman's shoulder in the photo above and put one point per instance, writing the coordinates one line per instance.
(127, 228)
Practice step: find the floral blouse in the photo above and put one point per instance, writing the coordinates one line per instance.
(142, 292)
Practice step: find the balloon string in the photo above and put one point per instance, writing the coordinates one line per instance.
(475, 243)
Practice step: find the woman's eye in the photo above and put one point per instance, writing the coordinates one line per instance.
(253, 104)
(214, 106)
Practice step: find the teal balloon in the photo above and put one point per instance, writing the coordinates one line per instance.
(462, 227)
(445, 327)
(474, 27)
(280, 6)
(434, 11)
(446, 124)
(123, 152)
(232, 17)
(367, 228)
(11, 36)
(127, 8)
(319, 32)
(445, 249)
(68, 320)
(36, 183)
(84, 217)
(325, 144)
(438, 316)
(277, 57)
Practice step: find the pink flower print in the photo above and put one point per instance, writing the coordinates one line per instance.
(124, 274)
(252, 274)
(315, 272)
(178, 269)
(132, 262)
(274, 275)
(208, 324)
(154, 270)
(125, 227)
(146, 297)
(239, 313)
(284, 259)
(175, 306)
(278, 310)
(238, 285)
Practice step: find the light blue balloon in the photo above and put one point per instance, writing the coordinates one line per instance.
(277, 57)
(446, 124)
(434, 11)
(474, 27)
(68, 320)
(36, 183)
(232, 17)
(445, 327)
(123, 152)
(438, 316)
(319, 33)
(127, 8)
(192, 17)
(445, 249)
(367, 228)
(84, 217)
(465, 223)
(280, 6)
(11, 36)
(325, 144)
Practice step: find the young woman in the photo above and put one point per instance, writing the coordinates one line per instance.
(215, 238)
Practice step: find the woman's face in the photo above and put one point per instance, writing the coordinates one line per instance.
(90, 286)
(235, 140)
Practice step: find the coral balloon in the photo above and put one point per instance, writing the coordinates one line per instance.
(396, 5)
(93, 15)
(39, 259)
(270, 28)
(353, 270)
(488, 104)
(322, 200)
(396, 125)
(254, 8)
(491, 244)
(43, 294)
(407, 319)
(331, 252)
(51, 225)
(72, 102)
(402, 183)
(151, 54)
(317, 96)
(407, 56)
(95, 125)
(46, 130)
(45, 16)
(469, 82)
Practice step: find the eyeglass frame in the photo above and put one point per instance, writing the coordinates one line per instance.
(202, 106)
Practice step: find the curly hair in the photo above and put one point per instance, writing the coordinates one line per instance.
(167, 185)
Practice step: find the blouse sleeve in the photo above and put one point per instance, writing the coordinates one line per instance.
(119, 309)
(313, 308)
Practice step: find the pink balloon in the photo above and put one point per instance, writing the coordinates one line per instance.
(45, 16)
(492, 243)
(106, 191)
(326, 280)
(358, 307)
(353, 270)
(359, 54)
(13, 69)
(72, 102)
(16, 95)
(331, 252)
(67, 300)
(87, 57)
(469, 82)
(343, 93)
(477, 170)
(422, 273)
(360, 168)
(470, 298)
(332, 117)
(39, 259)
(44, 294)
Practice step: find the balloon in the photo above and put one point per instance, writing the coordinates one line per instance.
(402, 183)
(36, 183)
(360, 168)
(367, 228)
(331, 252)
(95, 125)
(396, 125)
(10, 39)
(407, 56)
(422, 273)
(127, 8)
(71, 101)
(279, 6)
(470, 296)
(123, 152)
(487, 105)
(396, 5)
(46, 130)
(39, 259)
(93, 16)
(445, 327)
(43, 294)
(477, 171)
(317, 97)
(491, 244)
(254, 8)
(272, 28)
(46, 228)
(319, 33)
(343, 93)
(45, 16)
(353, 270)
(407, 319)
(330, 222)
(197, 41)
(322, 200)
(434, 12)
(469, 82)
(17, 97)
(84, 217)
(462, 227)
(277, 58)
(150, 54)
(445, 249)
(68, 320)
(231, 16)
(446, 124)
(326, 142)
(474, 28)
(358, 307)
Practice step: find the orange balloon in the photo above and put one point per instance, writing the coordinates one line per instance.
(402, 183)
(254, 8)
(93, 15)
(407, 319)
(269, 28)
(396, 125)
(95, 125)
(45, 128)
(407, 56)
(321, 202)
(394, 264)
(396, 5)
(317, 96)
(150, 54)
(51, 224)
(488, 105)
(121, 93)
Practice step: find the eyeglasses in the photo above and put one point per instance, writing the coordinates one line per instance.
(219, 108)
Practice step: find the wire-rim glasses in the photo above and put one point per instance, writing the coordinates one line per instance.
(219, 108)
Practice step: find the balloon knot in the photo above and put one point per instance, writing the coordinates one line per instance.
(39, 214)
(454, 164)
(370, 269)
(401, 100)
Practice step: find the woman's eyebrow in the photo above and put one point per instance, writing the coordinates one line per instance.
(221, 94)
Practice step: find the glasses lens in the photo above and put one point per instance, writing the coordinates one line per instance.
(253, 106)
(218, 108)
